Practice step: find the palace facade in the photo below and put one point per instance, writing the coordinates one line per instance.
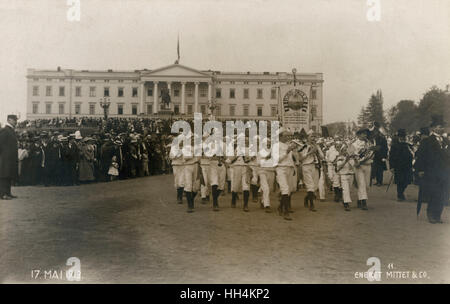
(140, 93)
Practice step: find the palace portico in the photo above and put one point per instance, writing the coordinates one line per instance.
(183, 85)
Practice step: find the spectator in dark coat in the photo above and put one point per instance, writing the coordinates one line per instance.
(8, 157)
(432, 165)
(400, 161)
(380, 155)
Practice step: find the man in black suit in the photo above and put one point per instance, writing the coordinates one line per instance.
(432, 165)
(8, 157)
(380, 155)
(400, 161)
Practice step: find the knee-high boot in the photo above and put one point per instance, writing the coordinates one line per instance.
(215, 195)
(233, 199)
(190, 201)
(254, 189)
(180, 195)
(311, 201)
(246, 196)
(306, 200)
(285, 207)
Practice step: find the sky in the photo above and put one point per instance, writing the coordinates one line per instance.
(404, 53)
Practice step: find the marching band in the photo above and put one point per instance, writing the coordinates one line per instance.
(340, 165)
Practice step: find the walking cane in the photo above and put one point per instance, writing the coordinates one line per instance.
(390, 182)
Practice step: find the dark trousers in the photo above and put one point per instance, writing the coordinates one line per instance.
(435, 207)
(402, 180)
(5, 186)
(377, 172)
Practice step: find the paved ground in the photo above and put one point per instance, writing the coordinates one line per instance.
(133, 231)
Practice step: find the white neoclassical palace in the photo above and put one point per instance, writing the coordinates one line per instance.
(140, 93)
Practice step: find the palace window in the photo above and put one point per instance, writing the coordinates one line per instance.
(232, 93)
(189, 92)
(203, 92)
(61, 108)
(232, 110)
(106, 92)
(48, 108)
(35, 108)
(135, 92)
(120, 109)
(203, 109)
(313, 94)
(149, 92)
(218, 110)
(134, 109)
(91, 109)
(218, 93)
(273, 111)
(120, 92)
(92, 80)
(35, 91)
(78, 91)
(91, 91)
(176, 93)
(78, 109)
(62, 91)
(259, 93)
(245, 113)
(273, 94)
(189, 109)
(149, 109)
(246, 93)
(176, 109)
(260, 111)
(48, 91)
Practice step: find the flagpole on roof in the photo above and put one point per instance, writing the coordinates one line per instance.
(178, 48)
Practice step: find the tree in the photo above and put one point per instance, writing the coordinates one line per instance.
(404, 115)
(434, 102)
(363, 117)
(375, 110)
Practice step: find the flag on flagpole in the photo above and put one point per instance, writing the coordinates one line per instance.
(178, 47)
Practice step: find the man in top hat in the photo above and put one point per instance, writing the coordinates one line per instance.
(8, 157)
(400, 161)
(432, 165)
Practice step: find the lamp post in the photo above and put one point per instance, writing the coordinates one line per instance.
(105, 103)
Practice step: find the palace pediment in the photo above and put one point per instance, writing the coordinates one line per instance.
(175, 70)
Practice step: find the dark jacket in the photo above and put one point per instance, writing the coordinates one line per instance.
(9, 162)
(432, 160)
(401, 158)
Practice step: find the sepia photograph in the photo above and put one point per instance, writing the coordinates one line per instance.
(225, 143)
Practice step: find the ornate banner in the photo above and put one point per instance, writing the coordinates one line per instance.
(295, 110)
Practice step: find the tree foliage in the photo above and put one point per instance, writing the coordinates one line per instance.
(373, 111)
(411, 116)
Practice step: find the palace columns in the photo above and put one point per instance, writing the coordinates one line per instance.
(169, 88)
(155, 97)
(142, 98)
(183, 100)
(209, 98)
(196, 98)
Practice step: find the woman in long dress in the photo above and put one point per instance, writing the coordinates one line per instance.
(87, 157)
